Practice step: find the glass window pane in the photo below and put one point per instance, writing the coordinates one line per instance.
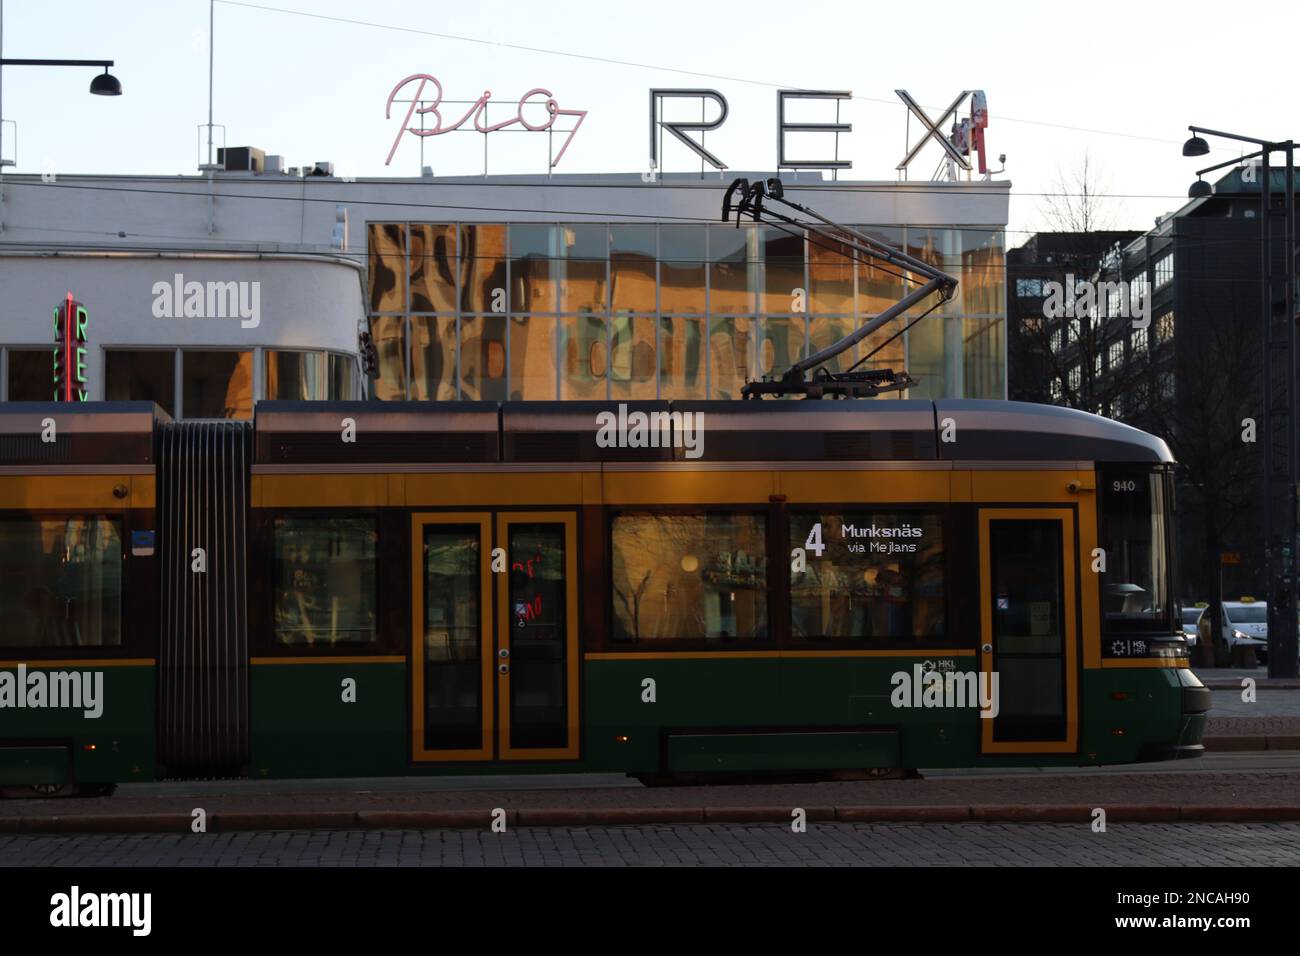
(681, 269)
(825, 331)
(1028, 620)
(533, 269)
(325, 580)
(343, 378)
(888, 353)
(453, 645)
(681, 357)
(483, 358)
(880, 284)
(217, 384)
(387, 266)
(584, 251)
(780, 343)
(983, 272)
(982, 357)
(434, 264)
(689, 577)
(63, 582)
(782, 269)
(880, 577)
(538, 636)
(388, 332)
(632, 268)
(31, 375)
(940, 248)
(293, 375)
(830, 277)
(925, 357)
(532, 358)
(584, 358)
(730, 356)
(145, 375)
(483, 268)
(632, 357)
(1134, 532)
(433, 358)
(733, 271)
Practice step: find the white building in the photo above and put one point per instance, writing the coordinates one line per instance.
(474, 287)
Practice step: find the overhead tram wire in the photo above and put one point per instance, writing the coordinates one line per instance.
(454, 182)
(350, 21)
(163, 250)
(595, 216)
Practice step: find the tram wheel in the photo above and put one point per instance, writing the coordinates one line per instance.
(38, 791)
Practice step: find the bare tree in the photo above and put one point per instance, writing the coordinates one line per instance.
(1078, 201)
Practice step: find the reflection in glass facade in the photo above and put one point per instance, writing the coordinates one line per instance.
(546, 311)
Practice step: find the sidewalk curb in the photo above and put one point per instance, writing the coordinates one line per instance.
(1257, 742)
(475, 819)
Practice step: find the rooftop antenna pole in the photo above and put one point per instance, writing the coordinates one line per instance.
(212, 5)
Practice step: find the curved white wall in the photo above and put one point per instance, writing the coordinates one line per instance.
(301, 302)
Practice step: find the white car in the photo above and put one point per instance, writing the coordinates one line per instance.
(1191, 616)
(1245, 623)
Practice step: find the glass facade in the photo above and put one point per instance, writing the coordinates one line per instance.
(621, 311)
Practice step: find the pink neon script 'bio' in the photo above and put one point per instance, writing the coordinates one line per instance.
(478, 110)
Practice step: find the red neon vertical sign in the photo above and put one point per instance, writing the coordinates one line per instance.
(70, 319)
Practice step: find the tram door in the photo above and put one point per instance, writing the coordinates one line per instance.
(494, 651)
(1028, 636)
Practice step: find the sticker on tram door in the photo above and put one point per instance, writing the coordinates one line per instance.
(142, 544)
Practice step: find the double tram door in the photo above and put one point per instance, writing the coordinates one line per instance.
(494, 650)
(1028, 629)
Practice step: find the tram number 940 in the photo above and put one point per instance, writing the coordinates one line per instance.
(1124, 485)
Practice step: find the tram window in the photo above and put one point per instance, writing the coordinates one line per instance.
(325, 580)
(878, 577)
(1135, 539)
(63, 582)
(689, 577)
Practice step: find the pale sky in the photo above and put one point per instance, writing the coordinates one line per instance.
(314, 89)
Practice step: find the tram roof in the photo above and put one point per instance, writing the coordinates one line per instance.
(952, 430)
(83, 433)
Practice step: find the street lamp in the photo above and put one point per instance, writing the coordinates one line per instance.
(1277, 296)
(105, 84)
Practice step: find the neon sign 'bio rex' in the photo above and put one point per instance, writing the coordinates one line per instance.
(479, 111)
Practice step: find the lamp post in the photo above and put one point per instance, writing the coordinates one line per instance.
(104, 84)
(1277, 294)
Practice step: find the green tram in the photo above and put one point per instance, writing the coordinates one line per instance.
(660, 589)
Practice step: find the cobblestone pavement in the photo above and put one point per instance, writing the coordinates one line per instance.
(733, 845)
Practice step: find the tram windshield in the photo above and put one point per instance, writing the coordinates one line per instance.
(1135, 539)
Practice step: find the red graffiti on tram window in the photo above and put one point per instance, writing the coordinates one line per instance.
(530, 567)
(528, 610)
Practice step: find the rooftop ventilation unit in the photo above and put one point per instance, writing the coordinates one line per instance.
(241, 159)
